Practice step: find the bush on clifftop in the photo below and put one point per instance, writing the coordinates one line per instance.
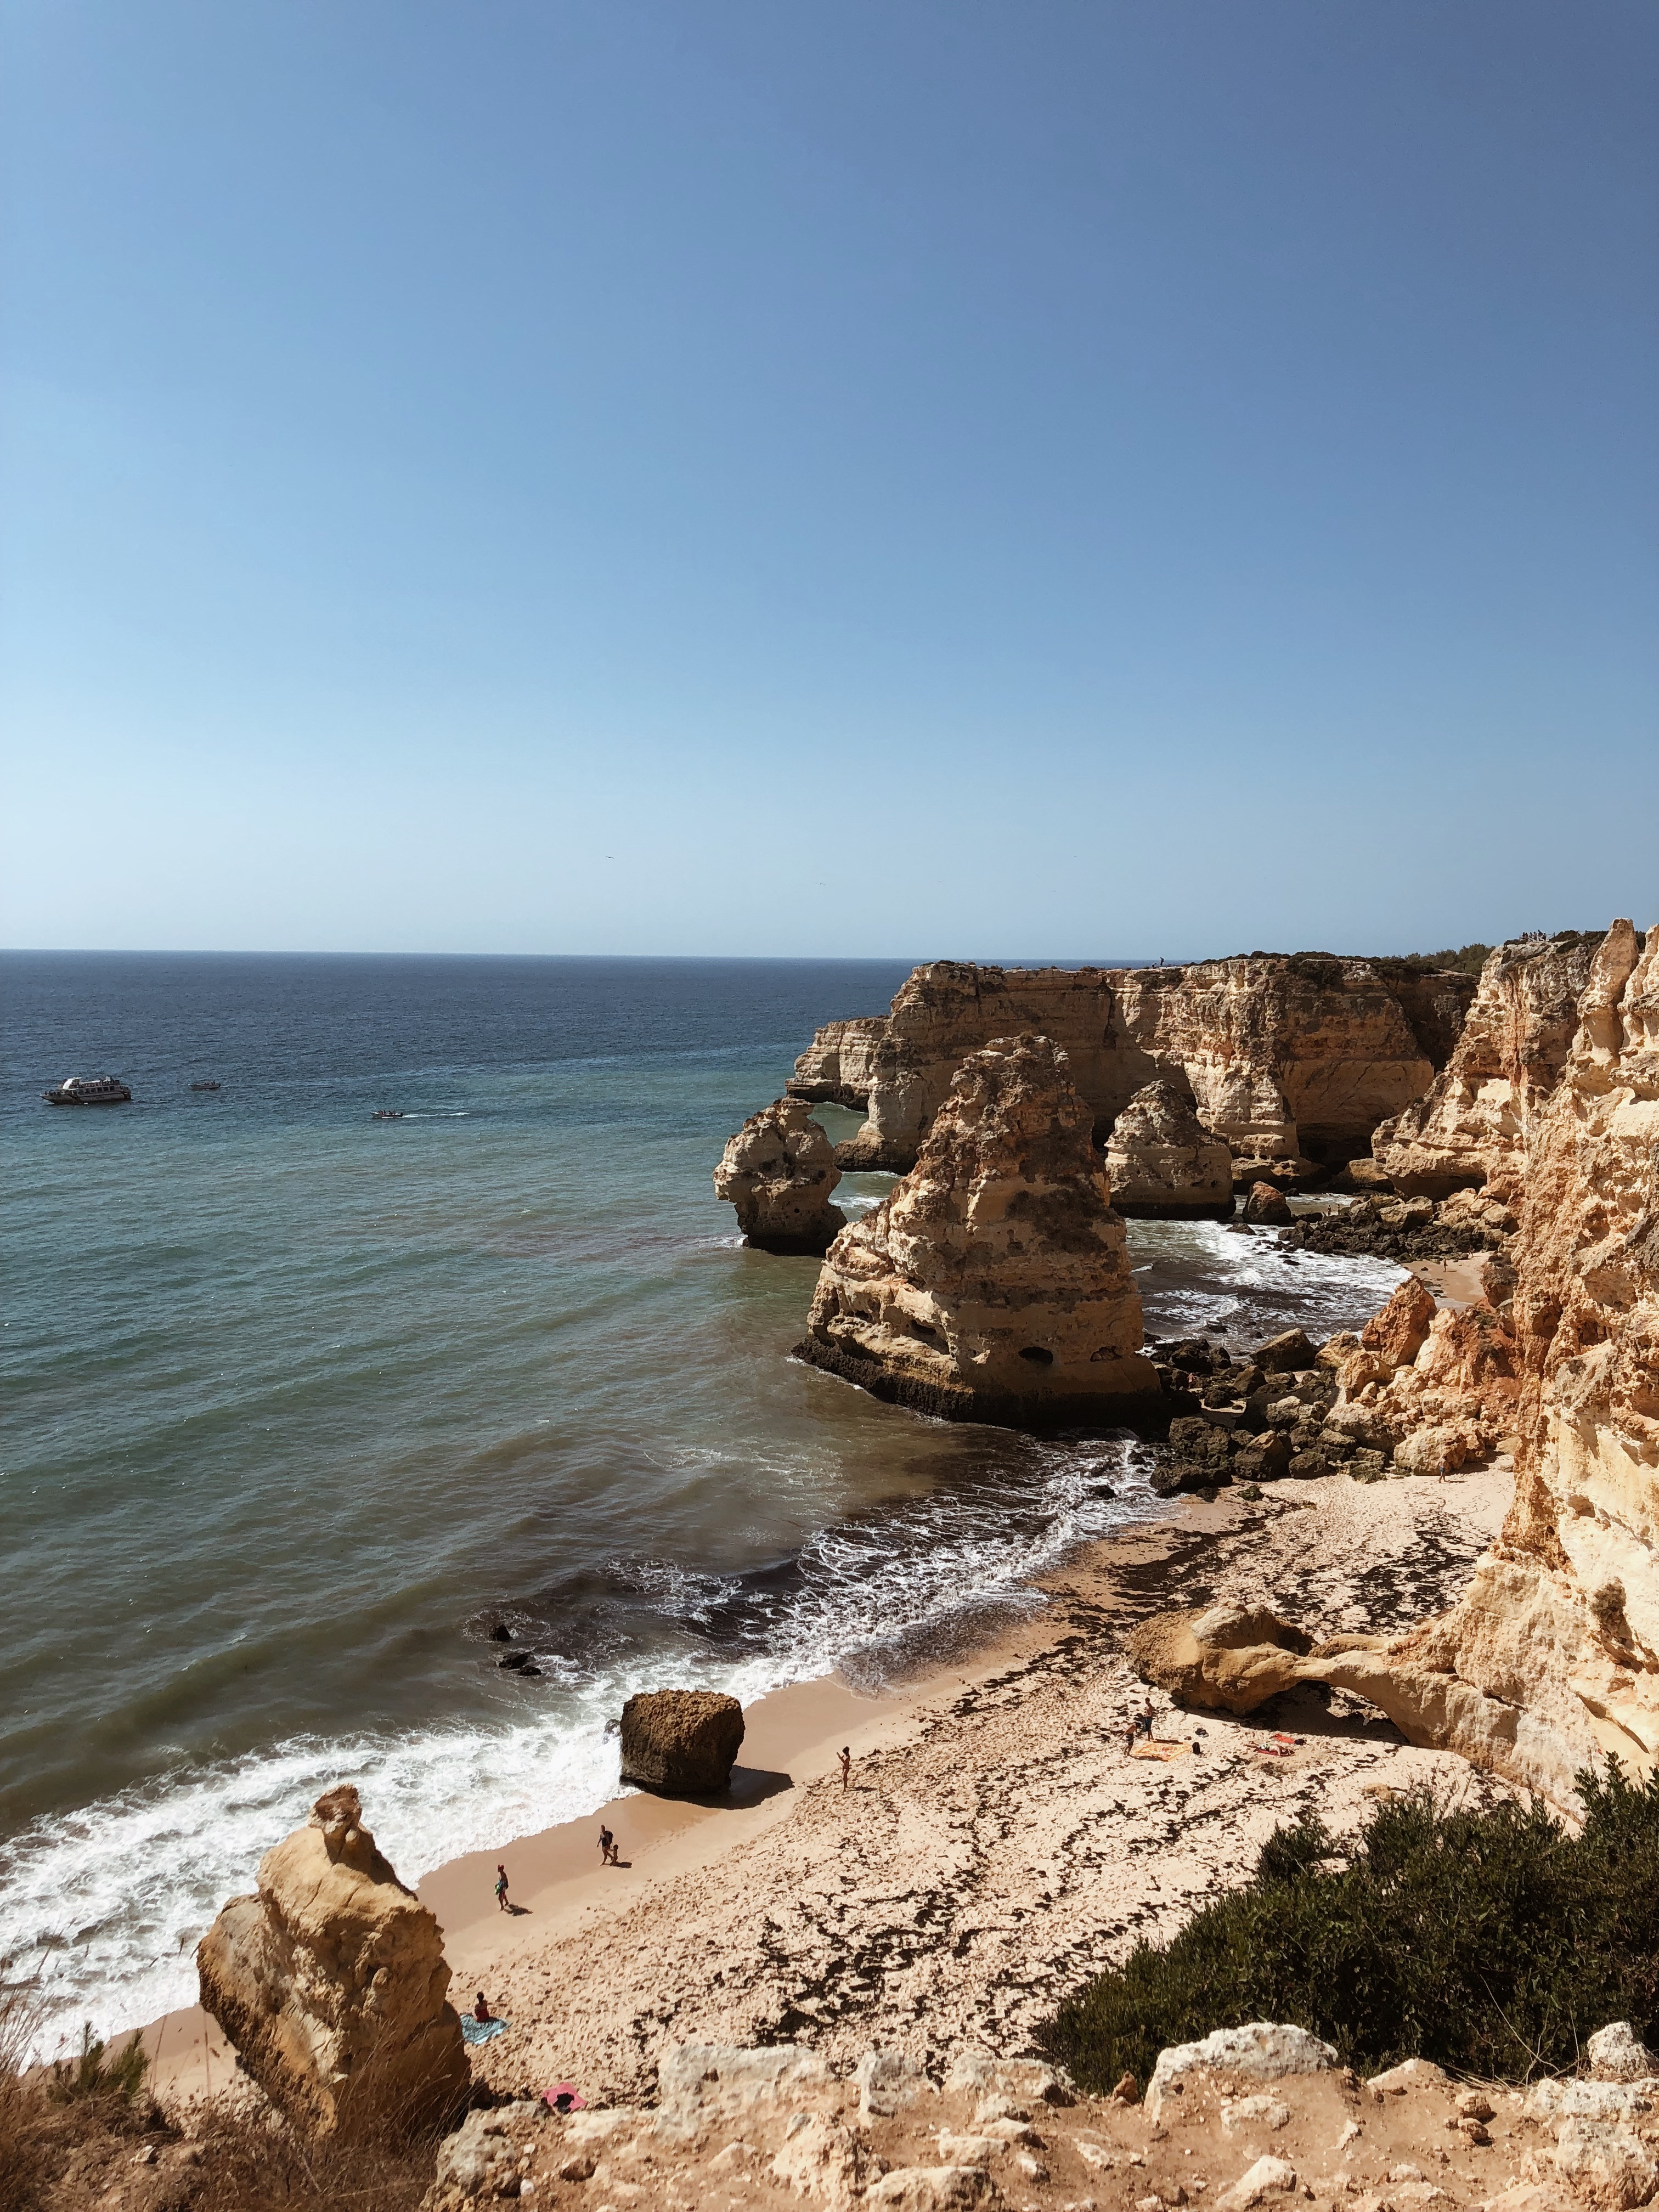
(1493, 1942)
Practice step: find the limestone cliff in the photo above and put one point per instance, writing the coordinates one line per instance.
(1552, 1656)
(991, 1283)
(779, 1172)
(1164, 1164)
(837, 1067)
(331, 1982)
(1284, 1056)
(1470, 1129)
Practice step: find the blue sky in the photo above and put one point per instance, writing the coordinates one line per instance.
(937, 478)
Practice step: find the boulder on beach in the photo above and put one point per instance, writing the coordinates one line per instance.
(331, 1983)
(779, 1171)
(993, 1283)
(1164, 1164)
(1267, 1207)
(681, 1743)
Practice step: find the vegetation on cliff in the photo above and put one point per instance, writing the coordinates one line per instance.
(1493, 1943)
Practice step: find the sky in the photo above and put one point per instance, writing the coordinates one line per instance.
(968, 477)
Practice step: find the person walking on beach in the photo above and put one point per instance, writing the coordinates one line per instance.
(846, 1765)
(607, 1847)
(501, 1890)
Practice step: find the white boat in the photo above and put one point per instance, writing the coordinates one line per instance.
(89, 1090)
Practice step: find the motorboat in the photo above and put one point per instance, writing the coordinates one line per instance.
(89, 1090)
(211, 1084)
(388, 1113)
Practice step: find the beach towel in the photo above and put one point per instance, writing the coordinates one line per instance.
(1152, 1750)
(563, 2097)
(480, 2031)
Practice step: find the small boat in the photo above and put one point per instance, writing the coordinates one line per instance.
(211, 1084)
(388, 1113)
(88, 1090)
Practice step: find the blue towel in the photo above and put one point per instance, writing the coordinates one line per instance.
(480, 2031)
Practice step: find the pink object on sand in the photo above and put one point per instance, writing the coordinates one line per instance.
(563, 2097)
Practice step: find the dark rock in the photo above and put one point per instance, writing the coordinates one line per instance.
(681, 1743)
(1285, 1355)
(1263, 1461)
(501, 1633)
(1308, 1466)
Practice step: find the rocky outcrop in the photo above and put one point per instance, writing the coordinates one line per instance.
(681, 1743)
(837, 1069)
(1164, 1164)
(1552, 1656)
(1266, 1206)
(331, 1982)
(991, 1283)
(1285, 1057)
(1472, 1128)
(779, 1172)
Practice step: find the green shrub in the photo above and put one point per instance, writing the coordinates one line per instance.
(1493, 1943)
(97, 2071)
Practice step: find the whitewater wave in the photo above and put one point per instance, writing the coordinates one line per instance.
(105, 1904)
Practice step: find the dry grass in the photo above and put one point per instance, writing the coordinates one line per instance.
(69, 2132)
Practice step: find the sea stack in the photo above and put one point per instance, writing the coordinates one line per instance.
(1164, 1164)
(331, 1982)
(991, 1283)
(779, 1171)
(681, 1743)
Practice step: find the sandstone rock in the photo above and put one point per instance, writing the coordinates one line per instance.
(1605, 2163)
(1568, 2100)
(1472, 1126)
(931, 2188)
(1617, 2053)
(1267, 2179)
(1164, 1164)
(992, 1284)
(1281, 1054)
(681, 1743)
(1267, 1208)
(837, 1067)
(1266, 2051)
(779, 1171)
(1400, 1331)
(820, 2159)
(1411, 2073)
(886, 2081)
(331, 1982)
(1288, 1353)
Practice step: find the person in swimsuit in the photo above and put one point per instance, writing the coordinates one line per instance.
(480, 2010)
(846, 1765)
(607, 1848)
(501, 1889)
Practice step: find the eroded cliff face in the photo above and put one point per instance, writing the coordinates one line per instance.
(837, 1069)
(1552, 1656)
(1471, 1129)
(992, 1284)
(1285, 1057)
(331, 1983)
(1164, 1164)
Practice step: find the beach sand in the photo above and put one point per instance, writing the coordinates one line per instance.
(999, 1844)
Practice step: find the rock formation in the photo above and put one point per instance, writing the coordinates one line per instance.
(681, 1743)
(1471, 1129)
(837, 1069)
(1164, 1164)
(1266, 1205)
(1285, 1057)
(779, 1171)
(1552, 1656)
(991, 1283)
(331, 1982)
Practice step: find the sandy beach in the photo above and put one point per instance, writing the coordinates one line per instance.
(999, 1842)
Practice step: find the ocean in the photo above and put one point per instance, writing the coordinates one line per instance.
(300, 1405)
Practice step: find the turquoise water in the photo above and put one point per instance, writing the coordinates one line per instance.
(301, 1404)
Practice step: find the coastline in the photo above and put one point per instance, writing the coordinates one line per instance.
(1000, 1842)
